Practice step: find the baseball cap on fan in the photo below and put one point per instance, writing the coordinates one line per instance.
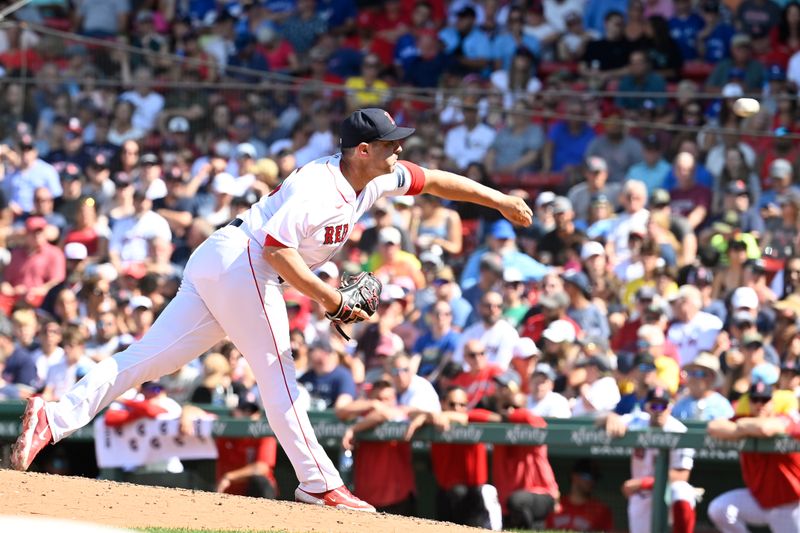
(732, 90)
(178, 124)
(35, 223)
(75, 251)
(371, 124)
(780, 169)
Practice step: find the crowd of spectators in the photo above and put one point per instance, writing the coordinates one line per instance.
(664, 250)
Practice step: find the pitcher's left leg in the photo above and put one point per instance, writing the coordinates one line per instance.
(253, 315)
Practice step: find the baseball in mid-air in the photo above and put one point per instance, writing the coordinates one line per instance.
(746, 107)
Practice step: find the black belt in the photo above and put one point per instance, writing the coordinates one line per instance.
(236, 222)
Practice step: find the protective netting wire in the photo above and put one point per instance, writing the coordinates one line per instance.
(270, 81)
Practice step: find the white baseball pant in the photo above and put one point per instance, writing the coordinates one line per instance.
(733, 511)
(224, 292)
(640, 505)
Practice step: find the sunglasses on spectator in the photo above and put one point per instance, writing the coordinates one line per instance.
(657, 407)
(645, 368)
(491, 305)
(474, 354)
(697, 374)
(760, 399)
(401, 370)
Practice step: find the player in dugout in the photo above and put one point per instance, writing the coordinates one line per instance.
(461, 470)
(771, 496)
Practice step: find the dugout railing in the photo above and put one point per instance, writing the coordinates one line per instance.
(566, 438)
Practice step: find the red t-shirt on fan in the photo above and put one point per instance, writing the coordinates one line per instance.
(87, 237)
(383, 473)
(684, 201)
(773, 478)
(480, 385)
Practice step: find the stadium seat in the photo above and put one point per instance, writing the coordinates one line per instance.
(697, 70)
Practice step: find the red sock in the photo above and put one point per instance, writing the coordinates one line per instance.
(683, 517)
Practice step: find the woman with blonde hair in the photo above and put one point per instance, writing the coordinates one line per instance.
(216, 386)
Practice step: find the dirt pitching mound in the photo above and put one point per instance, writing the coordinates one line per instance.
(28, 524)
(127, 505)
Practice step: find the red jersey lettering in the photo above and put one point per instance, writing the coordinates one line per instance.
(328, 235)
(336, 234)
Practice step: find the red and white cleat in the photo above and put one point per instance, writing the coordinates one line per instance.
(35, 435)
(341, 498)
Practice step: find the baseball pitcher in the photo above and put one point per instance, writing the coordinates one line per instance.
(232, 286)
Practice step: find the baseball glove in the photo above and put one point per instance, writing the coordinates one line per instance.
(359, 293)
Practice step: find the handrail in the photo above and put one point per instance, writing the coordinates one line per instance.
(560, 434)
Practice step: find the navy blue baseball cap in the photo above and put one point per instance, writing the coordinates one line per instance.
(371, 124)
(760, 389)
(658, 394)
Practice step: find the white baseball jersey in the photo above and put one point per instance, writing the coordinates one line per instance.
(643, 460)
(228, 289)
(315, 208)
(695, 336)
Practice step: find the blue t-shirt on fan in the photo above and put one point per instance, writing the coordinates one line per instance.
(718, 43)
(329, 387)
(685, 31)
(432, 350)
